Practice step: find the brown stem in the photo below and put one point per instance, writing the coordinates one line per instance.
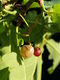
(26, 6)
(33, 26)
(23, 10)
(41, 2)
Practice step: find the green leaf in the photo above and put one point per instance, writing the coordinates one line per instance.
(54, 49)
(2, 26)
(5, 50)
(10, 59)
(4, 74)
(52, 23)
(31, 17)
(3, 1)
(24, 71)
(17, 73)
(56, 17)
(25, 1)
(36, 23)
(38, 29)
(4, 39)
(0, 6)
(48, 4)
(56, 12)
(56, 1)
(30, 65)
(2, 64)
(39, 68)
(16, 70)
(34, 5)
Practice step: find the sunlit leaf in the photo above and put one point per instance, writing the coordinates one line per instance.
(25, 1)
(56, 17)
(34, 5)
(54, 49)
(6, 49)
(2, 64)
(30, 65)
(24, 71)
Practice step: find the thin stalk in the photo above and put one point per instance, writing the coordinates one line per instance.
(17, 36)
(24, 20)
(10, 39)
(41, 3)
(43, 7)
(25, 23)
(10, 12)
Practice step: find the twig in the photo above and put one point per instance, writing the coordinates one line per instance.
(24, 20)
(26, 6)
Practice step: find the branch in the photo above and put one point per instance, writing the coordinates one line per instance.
(26, 6)
(23, 9)
(41, 3)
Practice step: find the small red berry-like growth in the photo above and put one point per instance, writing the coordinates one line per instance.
(37, 51)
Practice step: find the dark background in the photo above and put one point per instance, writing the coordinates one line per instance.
(47, 63)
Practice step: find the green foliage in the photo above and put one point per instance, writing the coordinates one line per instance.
(34, 5)
(56, 17)
(25, 1)
(56, 13)
(31, 17)
(54, 49)
(18, 71)
(13, 36)
(4, 74)
(53, 18)
(0, 6)
(2, 28)
(2, 64)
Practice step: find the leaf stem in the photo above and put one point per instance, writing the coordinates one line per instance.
(9, 12)
(41, 3)
(43, 7)
(17, 36)
(24, 20)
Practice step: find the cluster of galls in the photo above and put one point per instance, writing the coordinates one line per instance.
(27, 51)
